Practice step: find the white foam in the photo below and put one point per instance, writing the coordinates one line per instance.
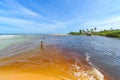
(88, 59)
(7, 36)
(99, 75)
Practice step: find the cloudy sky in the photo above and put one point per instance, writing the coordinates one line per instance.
(58, 16)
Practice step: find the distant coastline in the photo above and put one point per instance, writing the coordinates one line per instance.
(108, 33)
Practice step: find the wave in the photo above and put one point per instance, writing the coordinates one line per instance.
(8, 36)
(99, 75)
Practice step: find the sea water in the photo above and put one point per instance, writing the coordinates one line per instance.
(7, 40)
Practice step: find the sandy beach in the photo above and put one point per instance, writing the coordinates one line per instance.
(26, 76)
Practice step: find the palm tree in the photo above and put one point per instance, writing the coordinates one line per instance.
(111, 28)
(95, 28)
(80, 31)
(83, 31)
(87, 30)
(91, 30)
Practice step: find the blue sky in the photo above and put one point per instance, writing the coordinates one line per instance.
(58, 16)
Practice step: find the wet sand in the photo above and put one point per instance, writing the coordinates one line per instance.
(26, 76)
(48, 63)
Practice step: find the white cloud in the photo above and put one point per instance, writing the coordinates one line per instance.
(22, 17)
(26, 24)
(32, 21)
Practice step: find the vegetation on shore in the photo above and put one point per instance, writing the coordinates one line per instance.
(108, 33)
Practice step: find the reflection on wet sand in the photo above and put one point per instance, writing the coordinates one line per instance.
(48, 63)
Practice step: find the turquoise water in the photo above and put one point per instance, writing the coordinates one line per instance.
(7, 40)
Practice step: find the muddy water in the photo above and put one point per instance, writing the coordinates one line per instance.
(67, 57)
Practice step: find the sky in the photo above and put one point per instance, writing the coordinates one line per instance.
(58, 16)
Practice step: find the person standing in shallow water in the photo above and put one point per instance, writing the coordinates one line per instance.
(41, 45)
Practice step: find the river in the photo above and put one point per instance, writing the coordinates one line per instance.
(103, 52)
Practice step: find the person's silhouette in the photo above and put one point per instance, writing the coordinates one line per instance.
(41, 45)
